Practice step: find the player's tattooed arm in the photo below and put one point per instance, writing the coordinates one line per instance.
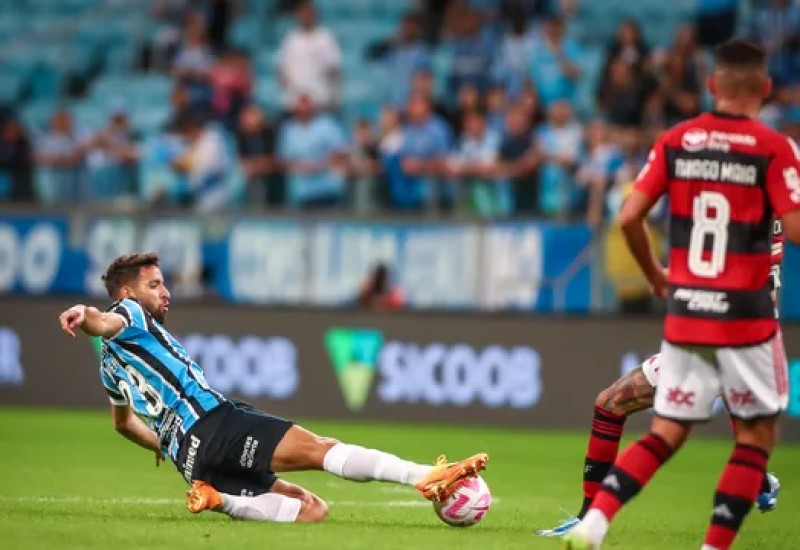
(91, 321)
(629, 394)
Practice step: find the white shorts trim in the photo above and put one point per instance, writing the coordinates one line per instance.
(752, 380)
(651, 369)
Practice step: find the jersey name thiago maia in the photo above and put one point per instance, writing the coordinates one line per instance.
(727, 178)
(145, 367)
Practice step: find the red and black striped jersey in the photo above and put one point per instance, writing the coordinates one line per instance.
(727, 178)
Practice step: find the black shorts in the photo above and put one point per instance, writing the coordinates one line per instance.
(231, 448)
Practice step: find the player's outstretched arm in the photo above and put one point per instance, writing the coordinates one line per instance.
(91, 321)
(129, 425)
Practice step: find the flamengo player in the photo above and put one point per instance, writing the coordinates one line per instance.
(227, 450)
(635, 392)
(727, 175)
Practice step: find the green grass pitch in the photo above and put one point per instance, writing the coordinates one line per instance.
(68, 481)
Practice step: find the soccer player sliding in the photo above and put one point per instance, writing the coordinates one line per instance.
(727, 176)
(635, 392)
(228, 451)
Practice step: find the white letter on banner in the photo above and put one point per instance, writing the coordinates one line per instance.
(512, 266)
(266, 262)
(9, 257)
(179, 245)
(107, 239)
(41, 258)
(343, 256)
(439, 266)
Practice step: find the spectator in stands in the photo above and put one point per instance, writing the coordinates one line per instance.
(255, 141)
(496, 107)
(220, 14)
(424, 84)
(554, 66)
(232, 83)
(312, 148)
(558, 143)
(681, 77)
(414, 170)
(404, 56)
(363, 166)
(469, 99)
(194, 58)
(600, 161)
(533, 108)
(310, 61)
(16, 163)
(716, 21)
(180, 104)
(205, 164)
(472, 166)
(377, 292)
(59, 157)
(472, 49)
(628, 46)
(784, 106)
(511, 62)
(776, 25)
(622, 95)
(112, 158)
(168, 17)
(517, 162)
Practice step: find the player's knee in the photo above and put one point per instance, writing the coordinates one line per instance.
(313, 511)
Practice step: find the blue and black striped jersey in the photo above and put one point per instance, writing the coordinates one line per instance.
(145, 367)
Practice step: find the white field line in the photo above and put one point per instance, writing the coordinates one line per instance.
(416, 503)
(174, 502)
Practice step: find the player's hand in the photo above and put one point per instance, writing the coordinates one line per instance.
(660, 283)
(72, 319)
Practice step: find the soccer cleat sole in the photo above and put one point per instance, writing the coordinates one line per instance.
(201, 497)
(441, 489)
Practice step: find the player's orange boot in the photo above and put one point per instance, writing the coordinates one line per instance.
(444, 479)
(202, 496)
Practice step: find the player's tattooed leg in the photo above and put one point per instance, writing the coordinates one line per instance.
(631, 393)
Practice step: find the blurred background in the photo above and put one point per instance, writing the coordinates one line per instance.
(452, 156)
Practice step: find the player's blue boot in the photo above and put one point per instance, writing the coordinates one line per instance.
(561, 530)
(768, 501)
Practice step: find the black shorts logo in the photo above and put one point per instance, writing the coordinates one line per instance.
(191, 456)
(248, 453)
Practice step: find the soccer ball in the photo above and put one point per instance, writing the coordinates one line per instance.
(467, 505)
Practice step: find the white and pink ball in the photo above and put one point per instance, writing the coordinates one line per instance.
(467, 505)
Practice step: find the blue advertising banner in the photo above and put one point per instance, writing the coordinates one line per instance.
(790, 290)
(36, 257)
(542, 267)
(525, 266)
(434, 265)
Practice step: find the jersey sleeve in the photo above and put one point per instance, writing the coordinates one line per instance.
(133, 314)
(653, 178)
(114, 395)
(783, 178)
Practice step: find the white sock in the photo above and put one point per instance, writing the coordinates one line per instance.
(595, 525)
(359, 464)
(266, 507)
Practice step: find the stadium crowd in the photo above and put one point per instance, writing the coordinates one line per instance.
(502, 134)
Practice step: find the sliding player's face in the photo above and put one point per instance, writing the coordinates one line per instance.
(152, 294)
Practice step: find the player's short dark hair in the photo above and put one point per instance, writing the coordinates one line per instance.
(740, 54)
(125, 269)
